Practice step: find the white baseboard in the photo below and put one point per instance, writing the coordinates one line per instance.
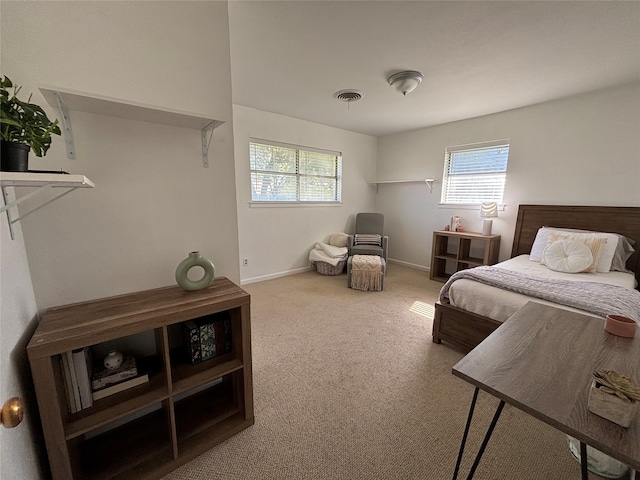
(271, 276)
(410, 265)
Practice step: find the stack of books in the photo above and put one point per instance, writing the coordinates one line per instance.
(76, 370)
(107, 382)
(84, 384)
(207, 337)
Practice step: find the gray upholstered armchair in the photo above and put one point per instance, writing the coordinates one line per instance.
(369, 238)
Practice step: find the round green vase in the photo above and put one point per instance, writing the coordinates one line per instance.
(195, 259)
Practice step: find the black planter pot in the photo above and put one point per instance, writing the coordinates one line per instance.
(15, 157)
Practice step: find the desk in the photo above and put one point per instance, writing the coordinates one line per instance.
(541, 361)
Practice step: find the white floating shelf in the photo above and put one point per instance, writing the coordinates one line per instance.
(43, 182)
(102, 105)
(65, 100)
(428, 181)
(26, 179)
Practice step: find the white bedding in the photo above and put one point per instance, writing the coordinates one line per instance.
(500, 304)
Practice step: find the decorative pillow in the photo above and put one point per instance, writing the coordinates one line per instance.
(569, 256)
(593, 242)
(339, 239)
(623, 251)
(368, 239)
(604, 262)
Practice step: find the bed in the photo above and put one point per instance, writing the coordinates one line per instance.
(464, 328)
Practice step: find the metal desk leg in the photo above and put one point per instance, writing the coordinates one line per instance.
(466, 432)
(583, 461)
(487, 436)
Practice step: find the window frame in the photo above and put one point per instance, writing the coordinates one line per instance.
(505, 142)
(337, 177)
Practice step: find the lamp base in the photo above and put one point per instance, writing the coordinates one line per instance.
(486, 226)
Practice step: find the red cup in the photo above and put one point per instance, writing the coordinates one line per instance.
(620, 326)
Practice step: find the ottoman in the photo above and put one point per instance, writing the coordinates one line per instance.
(366, 272)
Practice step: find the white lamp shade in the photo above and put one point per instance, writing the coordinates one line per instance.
(489, 210)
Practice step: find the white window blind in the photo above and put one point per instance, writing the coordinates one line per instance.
(475, 173)
(290, 174)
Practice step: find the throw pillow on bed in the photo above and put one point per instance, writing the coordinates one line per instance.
(608, 250)
(568, 256)
(592, 242)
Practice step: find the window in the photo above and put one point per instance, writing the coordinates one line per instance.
(475, 173)
(292, 174)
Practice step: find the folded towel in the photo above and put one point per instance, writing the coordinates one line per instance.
(319, 255)
(331, 251)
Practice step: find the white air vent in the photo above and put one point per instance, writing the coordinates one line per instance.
(348, 95)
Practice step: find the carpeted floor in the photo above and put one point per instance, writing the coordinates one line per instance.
(349, 385)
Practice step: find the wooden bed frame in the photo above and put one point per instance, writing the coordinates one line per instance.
(465, 330)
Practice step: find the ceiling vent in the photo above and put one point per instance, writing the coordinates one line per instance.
(348, 95)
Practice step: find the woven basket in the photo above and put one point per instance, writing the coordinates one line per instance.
(325, 268)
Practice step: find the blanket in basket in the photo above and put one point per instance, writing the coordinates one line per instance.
(323, 252)
(597, 298)
(366, 272)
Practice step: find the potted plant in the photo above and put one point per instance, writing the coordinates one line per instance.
(24, 126)
(613, 396)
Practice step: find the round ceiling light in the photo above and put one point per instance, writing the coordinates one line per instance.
(405, 82)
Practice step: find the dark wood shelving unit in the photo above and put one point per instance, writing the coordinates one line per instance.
(452, 251)
(148, 430)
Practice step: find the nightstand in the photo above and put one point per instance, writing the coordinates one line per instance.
(452, 251)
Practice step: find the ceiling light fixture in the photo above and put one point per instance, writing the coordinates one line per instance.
(405, 82)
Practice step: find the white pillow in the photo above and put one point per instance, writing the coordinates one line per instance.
(569, 256)
(623, 251)
(339, 239)
(606, 255)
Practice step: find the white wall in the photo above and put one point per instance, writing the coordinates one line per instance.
(277, 240)
(581, 150)
(21, 448)
(153, 202)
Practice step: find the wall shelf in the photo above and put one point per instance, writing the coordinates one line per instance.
(428, 181)
(65, 100)
(41, 181)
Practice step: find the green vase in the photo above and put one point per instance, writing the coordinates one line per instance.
(195, 259)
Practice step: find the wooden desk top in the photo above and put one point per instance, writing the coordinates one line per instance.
(541, 361)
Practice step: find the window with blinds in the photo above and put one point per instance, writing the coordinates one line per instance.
(292, 174)
(475, 173)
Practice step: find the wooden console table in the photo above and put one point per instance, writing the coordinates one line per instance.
(184, 409)
(541, 361)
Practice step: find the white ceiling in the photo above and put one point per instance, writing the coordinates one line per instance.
(478, 57)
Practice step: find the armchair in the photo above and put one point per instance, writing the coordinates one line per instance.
(369, 224)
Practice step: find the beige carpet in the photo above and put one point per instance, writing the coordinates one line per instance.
(348, 385)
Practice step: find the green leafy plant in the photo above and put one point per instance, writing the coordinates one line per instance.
(615, 384)
(24, 122)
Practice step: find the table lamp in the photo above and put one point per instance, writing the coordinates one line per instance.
(488, 210)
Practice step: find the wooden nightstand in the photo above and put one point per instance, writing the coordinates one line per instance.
(452, 251)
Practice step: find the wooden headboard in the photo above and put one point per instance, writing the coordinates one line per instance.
(623, 220)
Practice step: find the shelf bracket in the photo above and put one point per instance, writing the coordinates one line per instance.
(429, 182)
(66, 127)
(9, 204)
(206, 140)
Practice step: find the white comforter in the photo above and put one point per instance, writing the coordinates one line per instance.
(500, 304)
